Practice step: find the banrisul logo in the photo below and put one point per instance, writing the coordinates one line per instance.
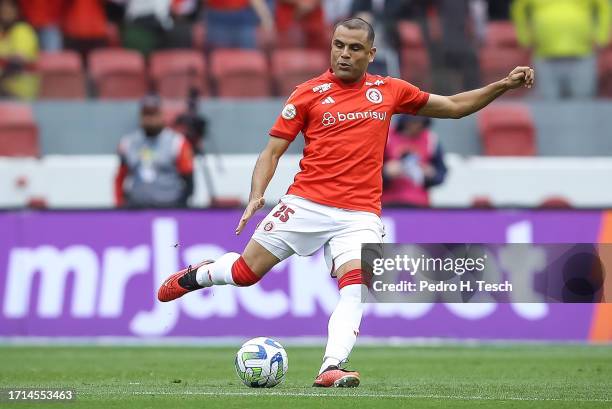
(330, 119)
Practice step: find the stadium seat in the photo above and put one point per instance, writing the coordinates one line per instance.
(291, 67)
(482, 202)
(240, 73)
(18, 130)
(507, 130)
(605, 73)
(555, 202)
(501, 34)
(174, 72)
(414, 57)
(61, 75)
(497, 62)
(118, 73)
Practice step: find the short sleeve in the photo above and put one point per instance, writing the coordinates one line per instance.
(409, 99)
(293, 116)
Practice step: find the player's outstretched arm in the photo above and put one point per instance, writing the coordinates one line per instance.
(466, 103)
(262, 174)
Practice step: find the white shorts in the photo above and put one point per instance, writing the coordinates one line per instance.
(300, 226)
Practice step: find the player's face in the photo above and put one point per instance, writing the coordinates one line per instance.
(351, 53)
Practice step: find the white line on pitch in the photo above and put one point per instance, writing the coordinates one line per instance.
(362, 395)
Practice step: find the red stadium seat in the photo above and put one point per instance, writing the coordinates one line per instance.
(118, 73)
(605, 73)
(555, 202)
(410, 35)
(291, 67)
(482, 202)
(176, 71)
(497, 62)
(507, 130)
(501, 34)
(415, 64)
(18, 131)
(240, 73)
(61, 76)
(501, 53)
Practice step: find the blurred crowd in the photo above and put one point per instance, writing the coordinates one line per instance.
(441, 45)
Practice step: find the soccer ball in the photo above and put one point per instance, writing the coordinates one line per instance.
(261, 363)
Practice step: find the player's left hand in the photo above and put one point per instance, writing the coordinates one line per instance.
(520, 76)
(253, 206)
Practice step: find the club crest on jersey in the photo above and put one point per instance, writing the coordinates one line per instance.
(268, 226)
(322, 88)
(289, 111)
(374, 96)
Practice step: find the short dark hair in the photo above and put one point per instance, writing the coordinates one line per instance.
(357, 23)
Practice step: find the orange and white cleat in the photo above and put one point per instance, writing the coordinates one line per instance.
(180, 283)
(334, 377)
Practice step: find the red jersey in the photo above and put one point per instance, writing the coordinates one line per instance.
(345, 128)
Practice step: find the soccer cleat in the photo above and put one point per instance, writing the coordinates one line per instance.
(181, 283)
(336, 377)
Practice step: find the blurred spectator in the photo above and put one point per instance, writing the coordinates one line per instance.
(462, 24)
(145, 25)
(153, 24)
(45, 17)
(498, 9)
(156, 163)
(233, 23)
(18, 54)
(562, 33)
(85, 25)
(383, 15)
(184, 15)
(414, 162)
(302, 17)
(336, 10)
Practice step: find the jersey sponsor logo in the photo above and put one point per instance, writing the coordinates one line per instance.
(289, 111)
(322, 88)
(330, 119)
(373, 95)
(328, 100)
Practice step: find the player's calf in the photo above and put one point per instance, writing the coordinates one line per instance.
(228, 269)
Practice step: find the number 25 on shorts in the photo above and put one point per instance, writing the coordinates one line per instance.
(283, 213)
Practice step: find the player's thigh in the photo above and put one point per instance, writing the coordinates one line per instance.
(293, 226)
(344, 248)
(259, 260)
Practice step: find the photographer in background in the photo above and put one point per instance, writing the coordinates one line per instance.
(156, 168)
(414, 162)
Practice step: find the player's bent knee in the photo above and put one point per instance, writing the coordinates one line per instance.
(242, 274)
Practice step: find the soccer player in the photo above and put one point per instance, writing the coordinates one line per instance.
(334, 201)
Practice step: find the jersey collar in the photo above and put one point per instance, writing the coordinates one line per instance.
(356, 85)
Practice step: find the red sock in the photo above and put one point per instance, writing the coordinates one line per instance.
(349, 278)
(242, 274)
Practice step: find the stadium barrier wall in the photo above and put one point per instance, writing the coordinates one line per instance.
(87, 181)
(84, 274)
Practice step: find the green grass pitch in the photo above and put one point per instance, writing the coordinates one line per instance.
(483, 376)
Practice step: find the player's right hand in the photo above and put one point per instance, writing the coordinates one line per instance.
(253, 206)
